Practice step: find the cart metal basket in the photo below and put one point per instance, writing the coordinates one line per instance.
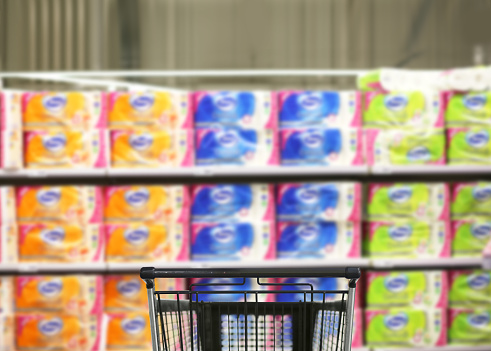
(187, 321)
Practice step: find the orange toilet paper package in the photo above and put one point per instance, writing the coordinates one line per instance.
(56, 242)
(164, 148)
(80, 295)
(7, 205)
(7, 332)
(6, 295)
(81, 204)
(128, 292)
(49, 331)
(8, 244)
(75, 110)
(65, 149)
(11, 154)
(10, 109)
(150, 110)
(130, 242)
(147, 203)
(49, 293)
(128, 330)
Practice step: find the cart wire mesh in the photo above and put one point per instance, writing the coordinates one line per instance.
(186, 321)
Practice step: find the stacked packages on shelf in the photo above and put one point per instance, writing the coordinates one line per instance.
(427, 119)
(407, 220)
(382, 125)
(427, 308)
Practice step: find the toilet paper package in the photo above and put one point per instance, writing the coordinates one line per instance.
(243, 147)
(321, 146)
(469, 145)
(466, 109)
(236, 286)
(80, 204)
(239, 241)
(471, 200)
(157, 148)
(405, 147)
(72, 110)
(8, 243)
(319, 108)
(469, 326)
(470, 288)
(150, 110)
(370, 81)
(7, 331)
(406, 239)
(324, 284)
(405, 327)
(245, 109)
(11, 149)
(10, 110)
(66, 149)
(319, 202)
(64, 332)
(402, 110)
(134, 242)
(416, 289)
(59, 242)
(128, 331)
(232, 203)
(6, 296)
(146, 203)
(76, 294)
(469, 237)
(128, 292)
(7, 205)
(318, 240)
(421, 201)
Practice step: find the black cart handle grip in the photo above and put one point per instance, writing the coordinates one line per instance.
(298, 272)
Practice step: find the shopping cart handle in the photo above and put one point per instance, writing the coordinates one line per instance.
(291, 272)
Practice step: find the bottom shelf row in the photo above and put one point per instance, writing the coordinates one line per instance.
(435, 309)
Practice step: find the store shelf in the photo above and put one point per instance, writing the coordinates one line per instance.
(53, 173)
(241, 172)
(365, 263)
(429, 263)
(438, 348)
(430, 169)
(48, 268)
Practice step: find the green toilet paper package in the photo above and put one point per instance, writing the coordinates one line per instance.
(469, 237)
(469, 326)
(423, 289)
(421, 201)
(405, 328)
(406, 239)
(470, 288)
(471, 200)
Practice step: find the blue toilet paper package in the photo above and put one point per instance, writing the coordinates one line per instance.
(318, 240)
(319, 108)
(232, 203)
(321, 146)
(233, 241)
(319, 202)
(246, 109)
(235, 146)
(230, 284)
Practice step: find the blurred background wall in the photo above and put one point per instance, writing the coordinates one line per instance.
(235, 34)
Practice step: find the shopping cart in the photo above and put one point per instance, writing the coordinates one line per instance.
(187, 320)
